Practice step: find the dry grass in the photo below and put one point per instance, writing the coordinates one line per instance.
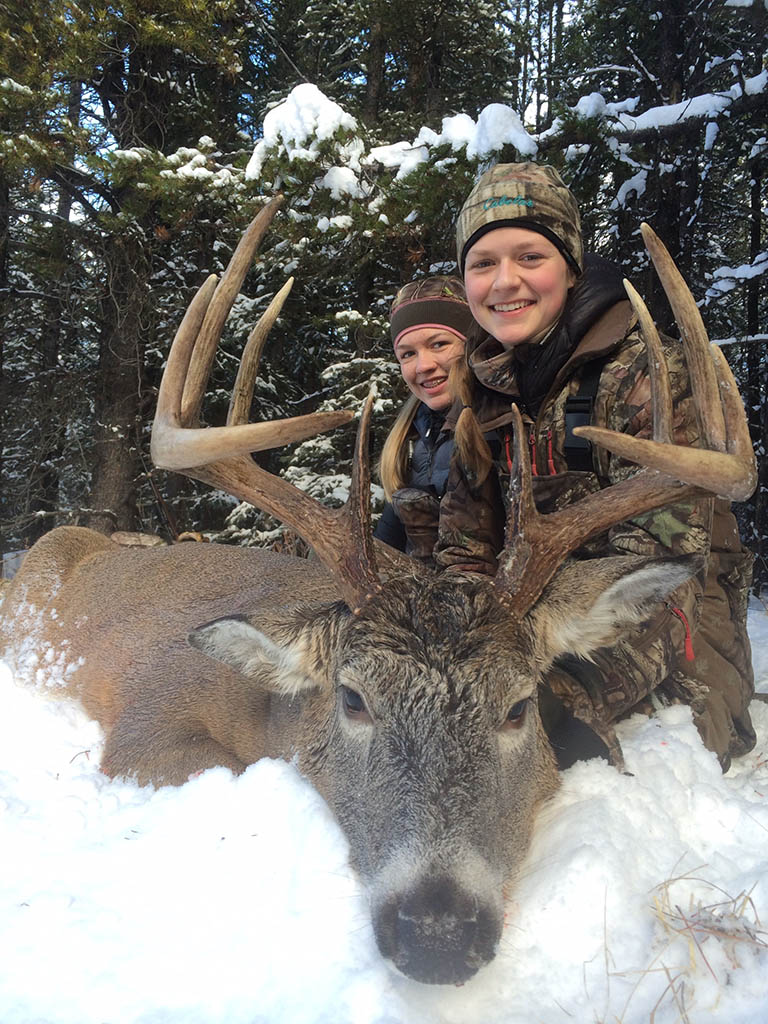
(691, 934)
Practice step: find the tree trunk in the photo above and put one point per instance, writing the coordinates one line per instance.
(377, 50)
(4, 301)
(44, 478)
(120, 387)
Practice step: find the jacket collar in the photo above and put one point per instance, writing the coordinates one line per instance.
(606, 334)
(428, 423)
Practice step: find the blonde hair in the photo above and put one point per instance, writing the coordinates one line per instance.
(471, 446)
(395, 455)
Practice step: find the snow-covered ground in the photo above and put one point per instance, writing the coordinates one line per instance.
(230, 901)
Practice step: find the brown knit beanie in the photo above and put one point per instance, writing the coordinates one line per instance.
(439, 302)
(527, 195)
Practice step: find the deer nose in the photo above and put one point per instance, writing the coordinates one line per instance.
(438, 933)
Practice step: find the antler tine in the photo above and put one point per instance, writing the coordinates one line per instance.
(727, 466)
(658, 372)
(341, 537)
(220, 456)
(176, 444)
(175, 373)
(368, 556)
(695, 341)
(523, 520)
(739, 442)
(218, 311)
(245, 382)
(357, 559)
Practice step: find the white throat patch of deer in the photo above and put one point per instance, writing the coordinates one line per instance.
(408, 699)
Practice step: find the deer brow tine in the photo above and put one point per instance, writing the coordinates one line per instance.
(357, 508)
(524, 528)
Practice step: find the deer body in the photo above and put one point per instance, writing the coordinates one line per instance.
(116, 622)
(437, 811)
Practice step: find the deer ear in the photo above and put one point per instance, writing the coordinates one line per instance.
(282, 667)
(590, 603)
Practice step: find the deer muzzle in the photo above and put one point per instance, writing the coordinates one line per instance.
(438, 932)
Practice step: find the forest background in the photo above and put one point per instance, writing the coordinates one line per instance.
(134, 150)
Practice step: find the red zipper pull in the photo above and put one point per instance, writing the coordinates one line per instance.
(507, 437)
(550, 458)
(689, 655)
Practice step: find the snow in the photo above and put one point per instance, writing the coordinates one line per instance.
(342, 181)
(11, 85)
(306, 122)
(724, 279)
(636, 184)
(342, 223)
(706, 105)
(298, 125)
(497, 125)
(230, 900)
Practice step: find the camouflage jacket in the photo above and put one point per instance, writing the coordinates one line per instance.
(655, 658)
(622, 403)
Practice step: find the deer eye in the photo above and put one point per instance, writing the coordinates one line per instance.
(354, 705)
(516, 714)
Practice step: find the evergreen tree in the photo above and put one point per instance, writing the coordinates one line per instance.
(97, 198)
(123, 182)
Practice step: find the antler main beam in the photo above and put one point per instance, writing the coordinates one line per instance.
(537, 544)
(220, 456)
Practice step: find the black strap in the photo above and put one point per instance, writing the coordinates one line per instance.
(578, 413)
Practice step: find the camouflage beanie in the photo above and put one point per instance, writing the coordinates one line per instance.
(528, 195)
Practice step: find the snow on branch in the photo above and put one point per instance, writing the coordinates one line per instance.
(692, 112)
(308, 128)
(725, 279)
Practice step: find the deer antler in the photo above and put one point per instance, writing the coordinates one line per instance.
(220, 456)
(537, 544)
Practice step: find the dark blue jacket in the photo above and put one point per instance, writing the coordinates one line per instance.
(430, 461)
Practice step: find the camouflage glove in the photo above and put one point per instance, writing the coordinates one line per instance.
(471, 525)
(419, 512)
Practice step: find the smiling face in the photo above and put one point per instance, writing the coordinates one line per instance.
(425, 355)
(517, 284)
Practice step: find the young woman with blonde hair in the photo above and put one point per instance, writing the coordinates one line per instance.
(429, 321)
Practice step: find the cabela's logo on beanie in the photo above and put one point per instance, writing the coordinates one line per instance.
(526, 195)
(506, 201)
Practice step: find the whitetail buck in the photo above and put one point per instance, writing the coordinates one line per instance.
(409, 699)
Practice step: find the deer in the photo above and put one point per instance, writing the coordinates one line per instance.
(407, 697)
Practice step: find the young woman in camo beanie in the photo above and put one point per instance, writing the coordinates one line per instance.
(429, 323)
(556, 336)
